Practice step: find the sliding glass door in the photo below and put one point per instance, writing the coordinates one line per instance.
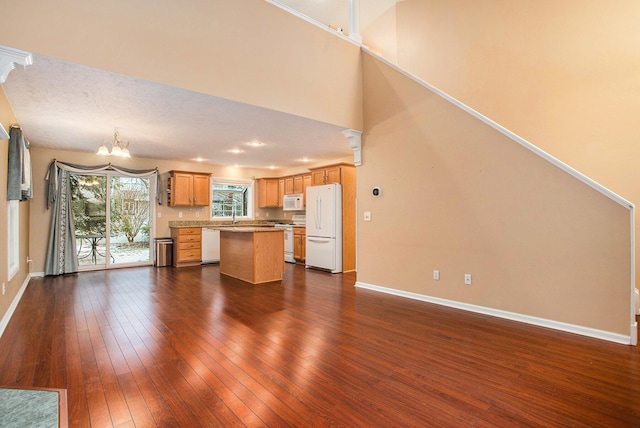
(114, 237)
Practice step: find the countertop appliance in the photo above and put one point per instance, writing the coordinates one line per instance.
(288, 241)
(210, 246)
(324, 227)
(298, 221)
(293, 202)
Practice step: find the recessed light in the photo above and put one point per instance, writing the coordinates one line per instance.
(236, 151)
(305, 160)
(199, 159)
(255, 143)
(272, 167)
(236, 166)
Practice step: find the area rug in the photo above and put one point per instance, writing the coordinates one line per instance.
(41, 408)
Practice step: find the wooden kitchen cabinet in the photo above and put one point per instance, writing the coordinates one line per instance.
(189, 189)
(281, 193)
(187, 246)
(269, 193)
(299, 244)
(294, 185)
(306, 182)
(328, 174)
(288, 186)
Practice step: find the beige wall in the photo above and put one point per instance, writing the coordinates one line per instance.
(563, 74)
(460, 197)
(12, 287)
(248, 51)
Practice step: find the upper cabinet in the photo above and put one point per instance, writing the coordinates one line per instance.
(269, 192)
(191, 189)
(329, 174)
(295, 184)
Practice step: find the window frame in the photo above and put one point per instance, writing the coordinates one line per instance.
(13, 238)
(249, 183)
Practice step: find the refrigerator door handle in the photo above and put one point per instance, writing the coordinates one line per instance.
(319, 241)
(318, 212)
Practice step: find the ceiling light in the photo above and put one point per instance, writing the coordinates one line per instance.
(236, 151)
(305, 160)
(118, 147)
(255, 143)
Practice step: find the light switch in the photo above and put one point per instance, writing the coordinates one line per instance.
(367, 216)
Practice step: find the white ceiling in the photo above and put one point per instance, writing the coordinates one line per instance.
(67, 106)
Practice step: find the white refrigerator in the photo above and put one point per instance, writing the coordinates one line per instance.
(324, 227)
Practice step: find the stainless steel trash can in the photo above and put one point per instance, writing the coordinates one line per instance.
(163, 252)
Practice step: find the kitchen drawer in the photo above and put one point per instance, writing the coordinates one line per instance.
(189, 231)
(188, 238)
(189, 245)
(187, 255)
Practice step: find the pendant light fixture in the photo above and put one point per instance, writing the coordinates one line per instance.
(118, 147)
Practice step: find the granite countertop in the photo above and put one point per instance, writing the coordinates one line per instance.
(246, 229)
(219, 224)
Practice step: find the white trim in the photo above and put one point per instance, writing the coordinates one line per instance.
(546, 156)
(14, 304)
(556, 325)
(313, 22)
(9, 58)
(355, 141)
(13, 238)
(634, 326)
(524, 143)
(354, 20)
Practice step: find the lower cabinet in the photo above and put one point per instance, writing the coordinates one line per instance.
(187, 246)
(299, 243)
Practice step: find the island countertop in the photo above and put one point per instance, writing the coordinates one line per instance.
(252, 254)
(246, 229)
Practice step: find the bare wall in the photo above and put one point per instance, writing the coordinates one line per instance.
(7, 118)
(563, 74)
(248, 51)
(460, 197)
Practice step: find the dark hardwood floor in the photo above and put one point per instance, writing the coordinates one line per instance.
(186, 347)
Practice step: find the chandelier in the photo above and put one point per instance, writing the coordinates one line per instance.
(118, 147)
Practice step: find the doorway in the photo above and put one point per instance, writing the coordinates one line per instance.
(117, 236)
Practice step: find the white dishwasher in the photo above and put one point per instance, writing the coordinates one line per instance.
(210, 245)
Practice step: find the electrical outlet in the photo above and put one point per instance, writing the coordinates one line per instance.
(436, 275)
(197, 213)
(367, 216)
(180, 214)
(467, 278)
(159, 214)
(4, 289)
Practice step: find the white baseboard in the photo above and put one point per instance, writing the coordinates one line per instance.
(556, 325)
(7, 316)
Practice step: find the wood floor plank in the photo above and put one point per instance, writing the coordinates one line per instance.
(170, 347)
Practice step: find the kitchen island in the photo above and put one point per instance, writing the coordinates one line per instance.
(252, 254)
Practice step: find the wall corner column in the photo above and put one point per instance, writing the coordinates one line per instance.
(355, 141)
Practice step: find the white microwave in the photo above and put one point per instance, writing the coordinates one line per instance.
(293, 203)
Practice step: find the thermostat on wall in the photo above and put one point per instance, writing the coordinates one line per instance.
(376, 192)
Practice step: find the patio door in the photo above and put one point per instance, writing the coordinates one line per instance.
(117, 236)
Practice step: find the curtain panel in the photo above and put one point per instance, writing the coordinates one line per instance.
(19, 167)
(62, 256)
